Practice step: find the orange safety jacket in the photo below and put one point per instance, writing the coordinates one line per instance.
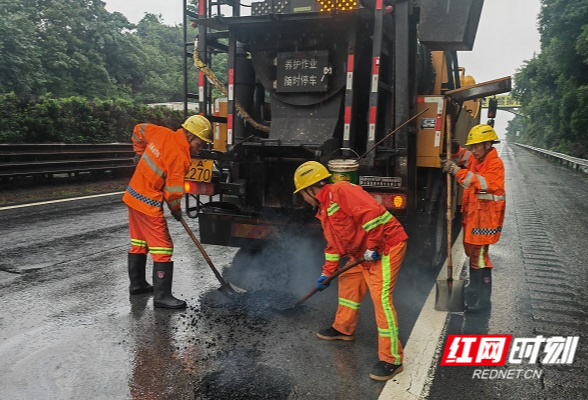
(484, 199)
(353, 222)
(143, 134)
(159, 176)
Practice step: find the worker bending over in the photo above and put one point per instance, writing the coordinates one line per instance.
(165, 158)
(483, 205)
(355, 225)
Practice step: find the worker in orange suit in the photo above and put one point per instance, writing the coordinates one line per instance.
(355, 225)
(483, 205)
(165, 157)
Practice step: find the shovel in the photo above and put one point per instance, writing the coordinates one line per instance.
(226, 288)
(449, 293)
(333, 276)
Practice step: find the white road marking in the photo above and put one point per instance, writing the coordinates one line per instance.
(422, 350)
(58, 201)
(500, 149)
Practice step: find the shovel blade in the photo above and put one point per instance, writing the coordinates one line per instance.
(289, 311)
(450, 296)
(229, 290)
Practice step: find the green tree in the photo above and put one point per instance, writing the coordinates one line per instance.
(20, 58)
(163, 63)
(553, 85)
(78, 48)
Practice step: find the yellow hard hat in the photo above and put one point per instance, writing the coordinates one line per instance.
(466, 80)
(308, 174)
(480, 134)
(199, 126)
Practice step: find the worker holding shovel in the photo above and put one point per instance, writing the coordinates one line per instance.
(355, 225)
(159, 179)
(483, 205)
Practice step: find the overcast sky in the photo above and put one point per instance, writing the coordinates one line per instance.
(507, 36)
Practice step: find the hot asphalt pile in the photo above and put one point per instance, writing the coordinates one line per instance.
(228, 336)
(232, 336)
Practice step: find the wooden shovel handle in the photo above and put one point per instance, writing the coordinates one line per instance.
(449, 205)
(204, 254)
(331, 277)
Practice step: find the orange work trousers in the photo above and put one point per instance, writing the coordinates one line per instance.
(150, 235)
(379, 279)
(478, 254)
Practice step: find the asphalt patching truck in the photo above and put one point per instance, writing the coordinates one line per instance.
(364, 87)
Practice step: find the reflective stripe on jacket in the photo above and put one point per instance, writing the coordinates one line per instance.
(159, 176)
(483, 204)
(353, 221)
(143, 134)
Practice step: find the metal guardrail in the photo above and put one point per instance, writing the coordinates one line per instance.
(34, 160)
(578, 164)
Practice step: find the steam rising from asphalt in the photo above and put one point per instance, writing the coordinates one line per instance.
(290, 265)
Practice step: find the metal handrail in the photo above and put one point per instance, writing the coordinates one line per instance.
(48, 159)
(578, 164)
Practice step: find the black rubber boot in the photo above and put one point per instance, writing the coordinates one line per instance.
(486, 289)
(138, 284)
(483, 287)
(472, 291)
(163, 274)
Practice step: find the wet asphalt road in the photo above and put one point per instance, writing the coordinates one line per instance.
(69, 330)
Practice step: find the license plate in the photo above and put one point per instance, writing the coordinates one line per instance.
(200, 170)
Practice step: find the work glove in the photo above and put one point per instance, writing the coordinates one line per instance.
(455, 146)
(371, 255)
(136, 159)
(450, 167)
(177, 214)
(319, 282)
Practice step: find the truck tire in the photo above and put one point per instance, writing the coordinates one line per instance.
(429, 231)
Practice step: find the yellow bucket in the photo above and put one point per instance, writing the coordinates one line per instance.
(344, 170)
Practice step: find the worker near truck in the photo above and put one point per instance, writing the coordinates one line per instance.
(483, 205)
(165, 157)
(355, 225)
